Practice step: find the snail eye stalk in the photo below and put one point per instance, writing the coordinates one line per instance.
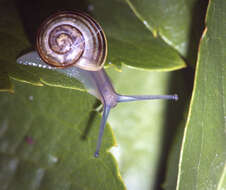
(65, 43)
(123, 98)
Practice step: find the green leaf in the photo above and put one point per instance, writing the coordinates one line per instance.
(48, 138)
(44, 122)
(169, 19)
(130, 42)
(48, 77)
(5, 84)
(141, 51)
(202, 162)
(139, 126)
(13, 42)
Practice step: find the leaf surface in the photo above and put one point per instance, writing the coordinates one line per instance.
(171, 20)
(203, 156)
(48, 138)
(139, 127)
(121, 26)
(130, 42)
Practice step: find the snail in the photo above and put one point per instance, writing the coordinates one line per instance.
(74, 44)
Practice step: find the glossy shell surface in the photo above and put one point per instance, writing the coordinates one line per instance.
(72, 39)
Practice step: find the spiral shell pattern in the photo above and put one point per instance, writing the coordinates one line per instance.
(72, 39)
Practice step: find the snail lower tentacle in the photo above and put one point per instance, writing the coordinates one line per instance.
(74, 44)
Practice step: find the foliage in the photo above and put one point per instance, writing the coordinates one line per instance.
(49, 127)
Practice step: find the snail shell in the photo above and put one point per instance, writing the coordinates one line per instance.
(75, 39)
(72, 39)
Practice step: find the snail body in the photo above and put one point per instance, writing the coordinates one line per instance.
(74, 44)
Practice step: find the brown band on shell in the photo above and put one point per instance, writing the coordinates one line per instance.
(72, 38)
